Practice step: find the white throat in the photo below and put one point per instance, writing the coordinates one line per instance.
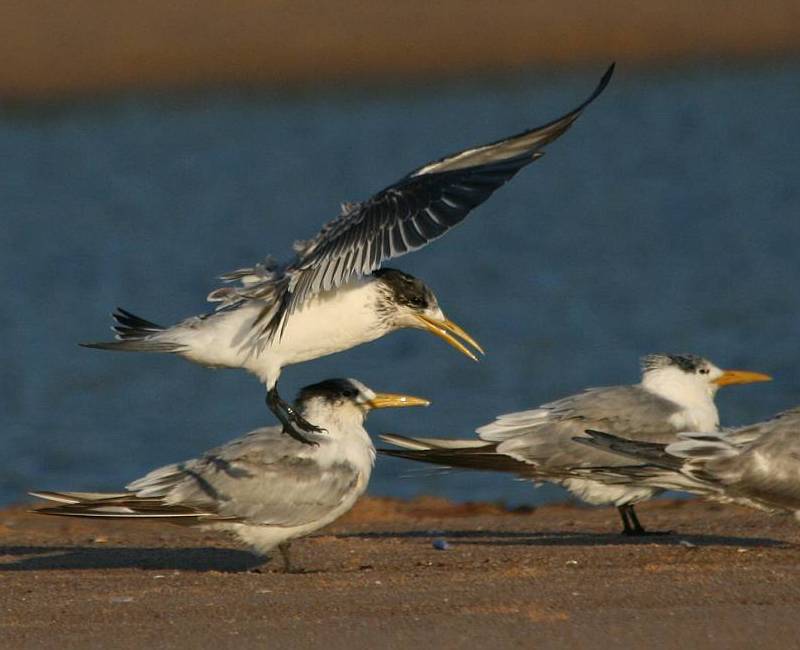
(345, 438)
(692, 393)
(345, 421)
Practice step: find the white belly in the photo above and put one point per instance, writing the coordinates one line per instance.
(597, 493)
(331, 322)
(328, 323)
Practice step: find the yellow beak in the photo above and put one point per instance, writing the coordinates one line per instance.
(445, 329)
(390, 400)
(730, 377)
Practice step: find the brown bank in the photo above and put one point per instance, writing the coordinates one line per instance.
(557, 577)
(57, 48)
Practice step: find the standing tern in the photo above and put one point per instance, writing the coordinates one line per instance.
(676, 393)
(756, 465)
(265, 488)
(333, 295)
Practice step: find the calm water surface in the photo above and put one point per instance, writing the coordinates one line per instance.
(666, 220)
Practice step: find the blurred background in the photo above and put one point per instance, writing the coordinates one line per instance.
(148, 146)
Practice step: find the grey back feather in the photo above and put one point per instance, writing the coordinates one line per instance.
(626, 411)
(261, 478)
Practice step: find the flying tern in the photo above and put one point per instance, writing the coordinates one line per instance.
(333, 295)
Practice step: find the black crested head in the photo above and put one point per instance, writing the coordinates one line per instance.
(686, 362)
(332, 390)
(404, 289)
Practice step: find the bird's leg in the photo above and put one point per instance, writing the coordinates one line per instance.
(287, 558)
(626, 523)
(293, 423)
(632, 524)
(638, 529)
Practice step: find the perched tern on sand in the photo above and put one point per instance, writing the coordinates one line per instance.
(676, 394)
(333, 295)
(264, 487)
(756, 465)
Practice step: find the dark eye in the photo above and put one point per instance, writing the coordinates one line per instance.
(349, 393)
(704, 371)
(417, 301)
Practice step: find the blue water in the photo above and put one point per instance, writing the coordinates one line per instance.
(666, 220)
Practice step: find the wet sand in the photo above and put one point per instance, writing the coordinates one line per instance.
(559, 576)
(51, 48)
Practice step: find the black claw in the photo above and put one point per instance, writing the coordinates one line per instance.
(289, 430)
(293, 423)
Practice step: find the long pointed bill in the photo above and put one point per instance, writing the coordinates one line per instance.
(730, 377)
(445, 329)
(395, 400)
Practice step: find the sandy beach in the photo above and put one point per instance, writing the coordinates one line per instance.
(57, 49)
(559, 576)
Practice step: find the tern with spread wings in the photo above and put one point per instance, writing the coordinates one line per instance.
(334, 295)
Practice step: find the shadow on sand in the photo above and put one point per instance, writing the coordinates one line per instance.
(43, 558)
(561, 538)
(39, 558)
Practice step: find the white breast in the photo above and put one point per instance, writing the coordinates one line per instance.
(331, 322)
(325, 324)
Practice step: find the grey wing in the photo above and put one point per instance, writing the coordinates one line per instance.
(626, 411)
(412, 212)
(744, 436)
(262, 478)
(551, 448)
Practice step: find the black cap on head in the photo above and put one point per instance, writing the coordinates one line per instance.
(686, 362)
(332, 390)
(405, 289)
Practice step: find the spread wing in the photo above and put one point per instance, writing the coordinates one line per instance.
(407, 215)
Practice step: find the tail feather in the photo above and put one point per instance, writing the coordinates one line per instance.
(135, 334)
(75, 497)
(407, 442)
(120, 505)
(132, 326)
(479, 458)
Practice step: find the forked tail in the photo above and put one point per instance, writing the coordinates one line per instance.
(121, 505)
(463, 454)
(135, 334)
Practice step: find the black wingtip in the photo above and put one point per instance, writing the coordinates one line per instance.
(607, 76)
(601, 86)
